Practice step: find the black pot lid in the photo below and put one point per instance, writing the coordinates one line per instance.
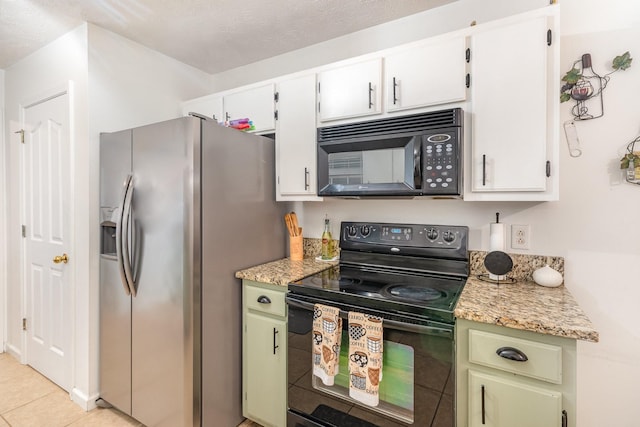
(498, 263)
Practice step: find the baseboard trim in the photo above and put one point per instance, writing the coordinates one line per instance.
(81, 399)
(14, 351)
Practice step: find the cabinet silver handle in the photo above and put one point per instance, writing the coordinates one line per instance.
(512, 354)
(275, 332)
(484, 169)
(483, 420)
(395, 84)
(370, 90)
(263, 299)
(306, 178)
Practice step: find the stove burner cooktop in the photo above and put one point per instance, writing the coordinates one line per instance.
(426, 295)
(411, 293)
(412, 269)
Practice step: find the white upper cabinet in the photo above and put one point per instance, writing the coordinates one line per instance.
(296, 177)
(350, 91)
(424, 75)
(256, 104)
(209, 106)
(514, 140)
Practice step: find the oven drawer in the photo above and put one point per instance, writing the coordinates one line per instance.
(519, 356)
(270, 301)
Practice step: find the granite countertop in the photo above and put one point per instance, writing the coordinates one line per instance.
(521, 305)
(284, 271)
(527, 306)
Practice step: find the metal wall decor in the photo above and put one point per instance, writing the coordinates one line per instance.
(584, 86)
(630, 163)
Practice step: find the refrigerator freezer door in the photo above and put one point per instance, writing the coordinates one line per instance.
(115, 304)
(163, 376)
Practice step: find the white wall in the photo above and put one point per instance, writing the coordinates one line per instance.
(117, 84)
(38, 75)
(595, 223)
(450, 17)
(3, 215)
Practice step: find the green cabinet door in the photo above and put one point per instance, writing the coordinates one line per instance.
(499, 402)
(265, 369)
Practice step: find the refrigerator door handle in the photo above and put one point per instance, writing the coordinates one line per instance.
(119, 234)
(126, 225)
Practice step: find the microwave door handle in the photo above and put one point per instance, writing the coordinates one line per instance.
(417, 164)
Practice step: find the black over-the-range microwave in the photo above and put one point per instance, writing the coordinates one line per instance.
(408, 156)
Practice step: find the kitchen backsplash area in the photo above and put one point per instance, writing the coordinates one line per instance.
(523, 265)
(313, 247)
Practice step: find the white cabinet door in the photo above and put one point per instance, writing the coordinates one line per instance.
(296, 140)
(209, 106)
(498, 402)
(256, 104)
(510, 93)
(350, 91)
(427, 75)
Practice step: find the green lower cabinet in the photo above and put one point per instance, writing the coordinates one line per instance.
(495, 402)
(264, 353)
(512, 378)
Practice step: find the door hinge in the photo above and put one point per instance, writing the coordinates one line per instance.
(467, 55)
(24, 323)
(276, 96)
(21, 132)
(24, 231)
(467, 80)
(318, 87)
(549, 37)
(548, 168)
(275, 114)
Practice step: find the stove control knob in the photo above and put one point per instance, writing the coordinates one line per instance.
(352, 231)
(449, 236)
(365, 230)
(432, 234)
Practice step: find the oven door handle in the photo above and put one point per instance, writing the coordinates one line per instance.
(394, 324)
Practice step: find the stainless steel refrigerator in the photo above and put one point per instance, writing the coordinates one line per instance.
(184, 204)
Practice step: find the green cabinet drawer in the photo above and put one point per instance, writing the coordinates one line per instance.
(265, 300)
(544, 361)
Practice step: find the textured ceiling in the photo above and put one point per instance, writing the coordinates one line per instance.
(212, 35)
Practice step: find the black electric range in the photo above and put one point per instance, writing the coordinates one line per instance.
(413, 269)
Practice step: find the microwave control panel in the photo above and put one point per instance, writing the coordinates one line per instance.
(441, 164)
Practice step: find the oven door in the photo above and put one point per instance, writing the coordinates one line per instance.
(417, 385)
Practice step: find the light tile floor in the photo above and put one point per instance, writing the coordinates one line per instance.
(28, 399)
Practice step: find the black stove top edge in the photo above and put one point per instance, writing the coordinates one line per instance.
(363, 303)
(397, 315)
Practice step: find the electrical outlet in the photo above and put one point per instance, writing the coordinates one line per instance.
(520, 236)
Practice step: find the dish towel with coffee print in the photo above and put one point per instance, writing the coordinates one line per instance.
(365, 357)
(327, 334)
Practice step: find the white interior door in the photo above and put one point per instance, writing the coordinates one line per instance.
(46, 179)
